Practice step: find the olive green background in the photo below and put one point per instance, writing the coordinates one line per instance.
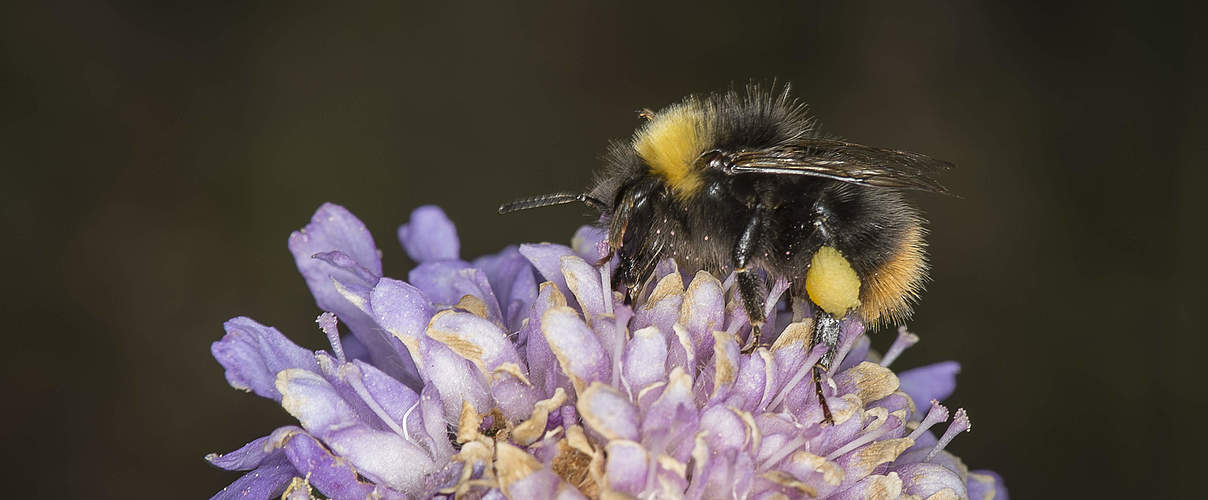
(156, 158)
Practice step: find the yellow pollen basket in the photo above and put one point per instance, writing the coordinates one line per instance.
(831, 282)
(671, 143)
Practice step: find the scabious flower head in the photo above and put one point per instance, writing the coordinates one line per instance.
(523, 375)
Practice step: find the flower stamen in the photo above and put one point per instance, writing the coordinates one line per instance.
(329, 324)
(936, 414)
(960, 423)
(905, 339)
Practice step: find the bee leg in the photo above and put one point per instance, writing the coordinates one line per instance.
(623, 277)
(748, 281)
(826, 331)
(748, 291)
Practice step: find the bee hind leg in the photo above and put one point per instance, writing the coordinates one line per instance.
(826, 331)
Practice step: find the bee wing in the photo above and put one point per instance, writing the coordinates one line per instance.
(847, 162)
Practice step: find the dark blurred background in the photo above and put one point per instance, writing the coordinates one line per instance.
(155, 158)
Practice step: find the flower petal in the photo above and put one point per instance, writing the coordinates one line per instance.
(332, 476)
(335, 228)
(436, 279)
(266, 481)
(645, 359)
(429, 236)
(402, 310)
(547, 258)
(252, 354)
(576, 347)
(584, 281)
(934, 381)
(455, 379)
(703, 311)
(474, 338)
(674, 410)
(867, 380)
(543, 367)
(336, 255)
(608, 412)
(247, 457)
(445, 282)
(724, 431)
(626, 467)
(925, 479)
(875, 487)
(378, 455)
(511, 277)
(589, 243)
(824, 475)
(986, 485)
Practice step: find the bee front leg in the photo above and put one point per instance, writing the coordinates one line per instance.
(747, 280)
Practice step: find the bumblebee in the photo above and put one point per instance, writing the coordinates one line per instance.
(742, 182)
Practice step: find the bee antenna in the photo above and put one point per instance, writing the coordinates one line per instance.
(548, 200)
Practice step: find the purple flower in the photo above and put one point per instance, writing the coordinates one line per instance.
(523, 375)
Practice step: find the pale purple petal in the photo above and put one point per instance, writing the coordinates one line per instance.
(403, 311)
(383, 457)
(439, 280)
(712, 478)
(645, 359)
(589, 243)
(934, 381)
(332, 476)
(429, 236)
(376, 454)
(874, 486)
(858, 353)
(626, 467)
(925, 479)
(353, 348)
(389, 398)
(455, 378)
(608, 412)
(431, 414)
(335, 228)
(544, 370)
(513, 396)
(474, 338)
(583, 280)
(247, 457)
(703, 312)
(751, 385)
(266, 481)
(575, 346)
(547, 258)
(252, 354)
(400, 308)
(986, 485)
(511, 277)
(663, 314)
(341, 281)
(543, 485)
(675, 410)
(724, 430)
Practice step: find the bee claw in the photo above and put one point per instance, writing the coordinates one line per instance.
(755, 341)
